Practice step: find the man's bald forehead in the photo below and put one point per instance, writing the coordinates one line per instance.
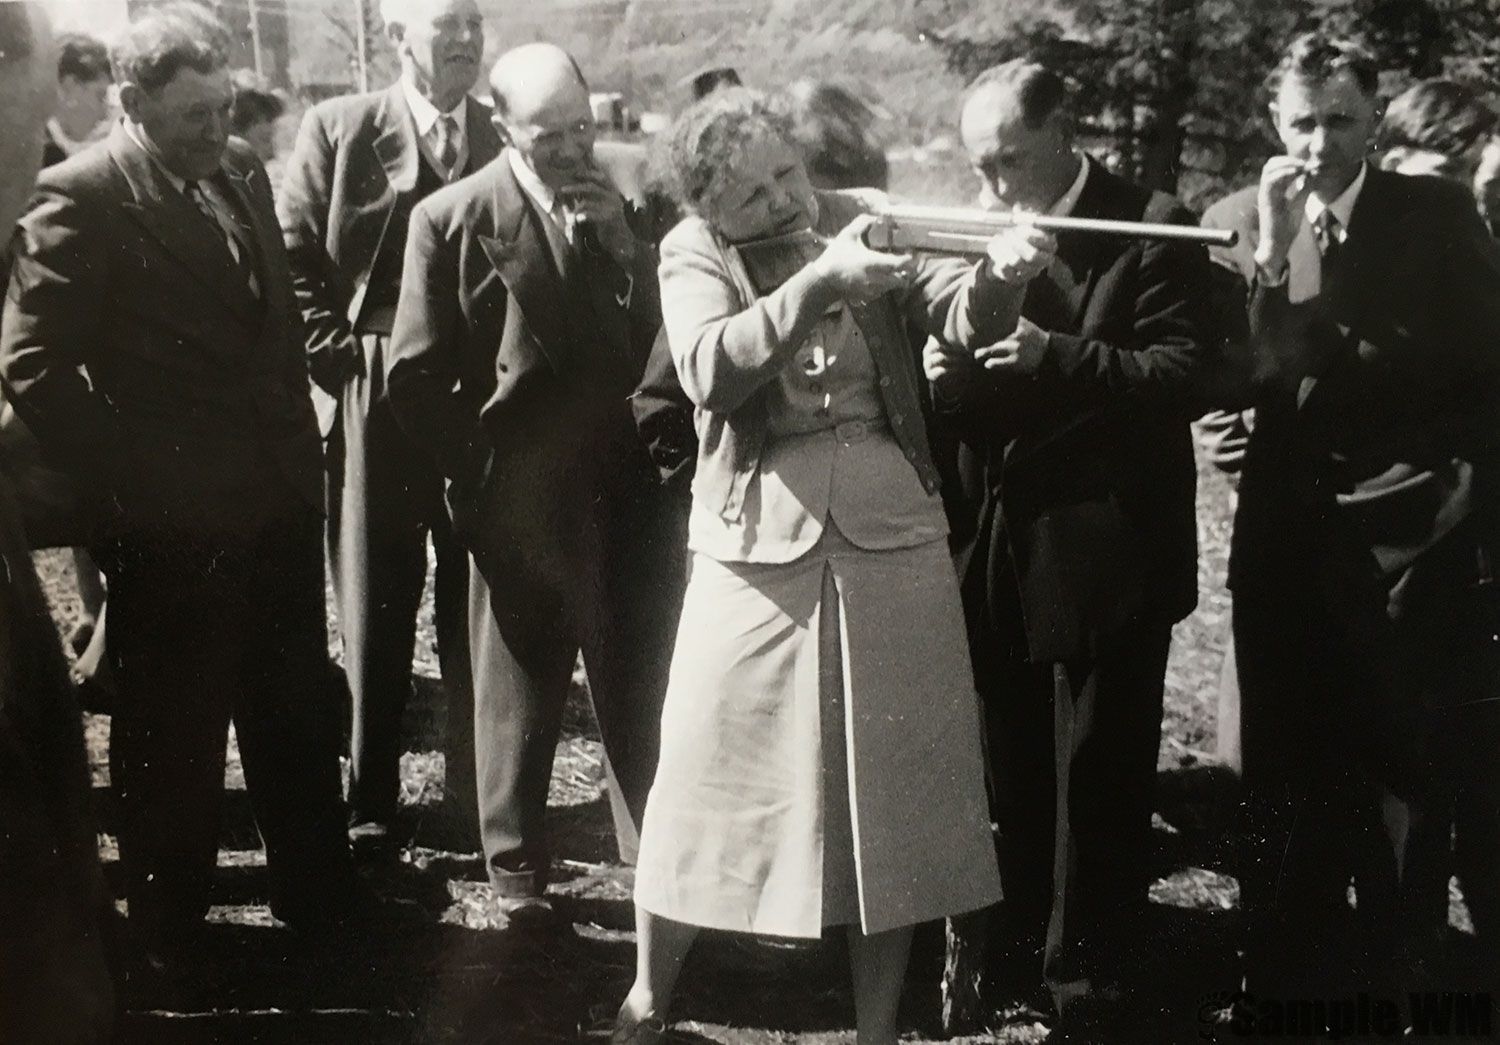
(1019, 88)
(538, 67)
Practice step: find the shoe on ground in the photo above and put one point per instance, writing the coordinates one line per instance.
(650, 1030)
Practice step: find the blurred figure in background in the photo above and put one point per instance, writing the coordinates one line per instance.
(256, 111)
(833, 130)
(83, 97)
(83, 110)
(1442, 128)
(1438, 127)
(54, 983)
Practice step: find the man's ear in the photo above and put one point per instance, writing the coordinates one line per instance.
(506, 138)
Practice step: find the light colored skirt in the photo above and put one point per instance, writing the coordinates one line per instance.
(820, 757)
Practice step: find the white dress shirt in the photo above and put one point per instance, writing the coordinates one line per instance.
(426, 115)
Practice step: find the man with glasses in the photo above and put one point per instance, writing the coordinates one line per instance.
(528, 306)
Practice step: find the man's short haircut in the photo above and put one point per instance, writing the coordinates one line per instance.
(1436, 115)
(1316, 57)
(1040, 91)
(82, 58)
(166, 40)
(254, 102)
(17, 37)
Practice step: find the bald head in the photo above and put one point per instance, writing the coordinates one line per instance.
(535, 76)
(542, 103)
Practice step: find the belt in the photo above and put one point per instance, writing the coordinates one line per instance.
(379, 320)
(854, 431)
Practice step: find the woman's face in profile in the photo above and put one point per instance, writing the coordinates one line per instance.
(764, 193)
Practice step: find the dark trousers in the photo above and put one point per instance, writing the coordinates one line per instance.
(606, 581)
(383, 503)
(204, 630)
(1366, 730)
(1073, 749)
(1312, 813)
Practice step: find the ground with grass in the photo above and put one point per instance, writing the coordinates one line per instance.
(434, 971)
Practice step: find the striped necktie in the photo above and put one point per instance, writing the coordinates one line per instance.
(237, 250)
(447, 144)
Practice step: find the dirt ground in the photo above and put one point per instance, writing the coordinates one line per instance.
(432, 973)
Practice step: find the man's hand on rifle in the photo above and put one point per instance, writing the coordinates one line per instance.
(1027, 341)
(950, 369)
(1020, 252)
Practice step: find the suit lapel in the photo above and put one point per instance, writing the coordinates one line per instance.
(176, 224)
(1082, 254)
(484, 140)
(525, 265)
(396, 146)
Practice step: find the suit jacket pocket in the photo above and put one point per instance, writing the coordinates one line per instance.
(1082, 576)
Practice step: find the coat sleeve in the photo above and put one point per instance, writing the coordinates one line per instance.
(1167, 348)
(424, 370)
(53, 315)
(303, 210)
(725, 352)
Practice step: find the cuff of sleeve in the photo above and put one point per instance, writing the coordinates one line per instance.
(1034, 354)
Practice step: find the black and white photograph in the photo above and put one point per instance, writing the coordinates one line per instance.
(749, 522)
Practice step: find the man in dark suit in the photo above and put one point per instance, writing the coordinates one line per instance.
(360, 165)
(152, 342)
(1364, 542)
(1077, 446)
(527, 309)
(54, 984)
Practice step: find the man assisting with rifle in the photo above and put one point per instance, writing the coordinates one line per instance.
(1075, 444)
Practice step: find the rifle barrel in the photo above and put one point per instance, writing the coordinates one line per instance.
(960, 230)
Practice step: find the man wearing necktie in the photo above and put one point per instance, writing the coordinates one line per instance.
(152, 342)
(1364, 540)
(528, 306)
(359, 167)
(1075, 446)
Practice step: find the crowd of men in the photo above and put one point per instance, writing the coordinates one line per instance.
(474, 303)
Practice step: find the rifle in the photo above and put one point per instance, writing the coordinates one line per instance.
(902, 228)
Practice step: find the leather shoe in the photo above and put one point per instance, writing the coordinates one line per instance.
(527, 913)
(650, 1030)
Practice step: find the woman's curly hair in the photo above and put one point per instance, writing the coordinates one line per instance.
(702, 144)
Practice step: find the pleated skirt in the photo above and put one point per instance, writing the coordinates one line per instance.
(820, 759)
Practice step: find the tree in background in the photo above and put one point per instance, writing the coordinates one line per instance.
(1172, 89)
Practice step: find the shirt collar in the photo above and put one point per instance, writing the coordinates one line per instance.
(540, 193)
(1069, 199)
(138, 136)
(66, 144)
(1341, 208)
(426, 114)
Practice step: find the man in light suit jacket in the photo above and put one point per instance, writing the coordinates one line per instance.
(1364, 544)
(1076, 447)
(528, 307)
(360, 165)
(152, 264)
